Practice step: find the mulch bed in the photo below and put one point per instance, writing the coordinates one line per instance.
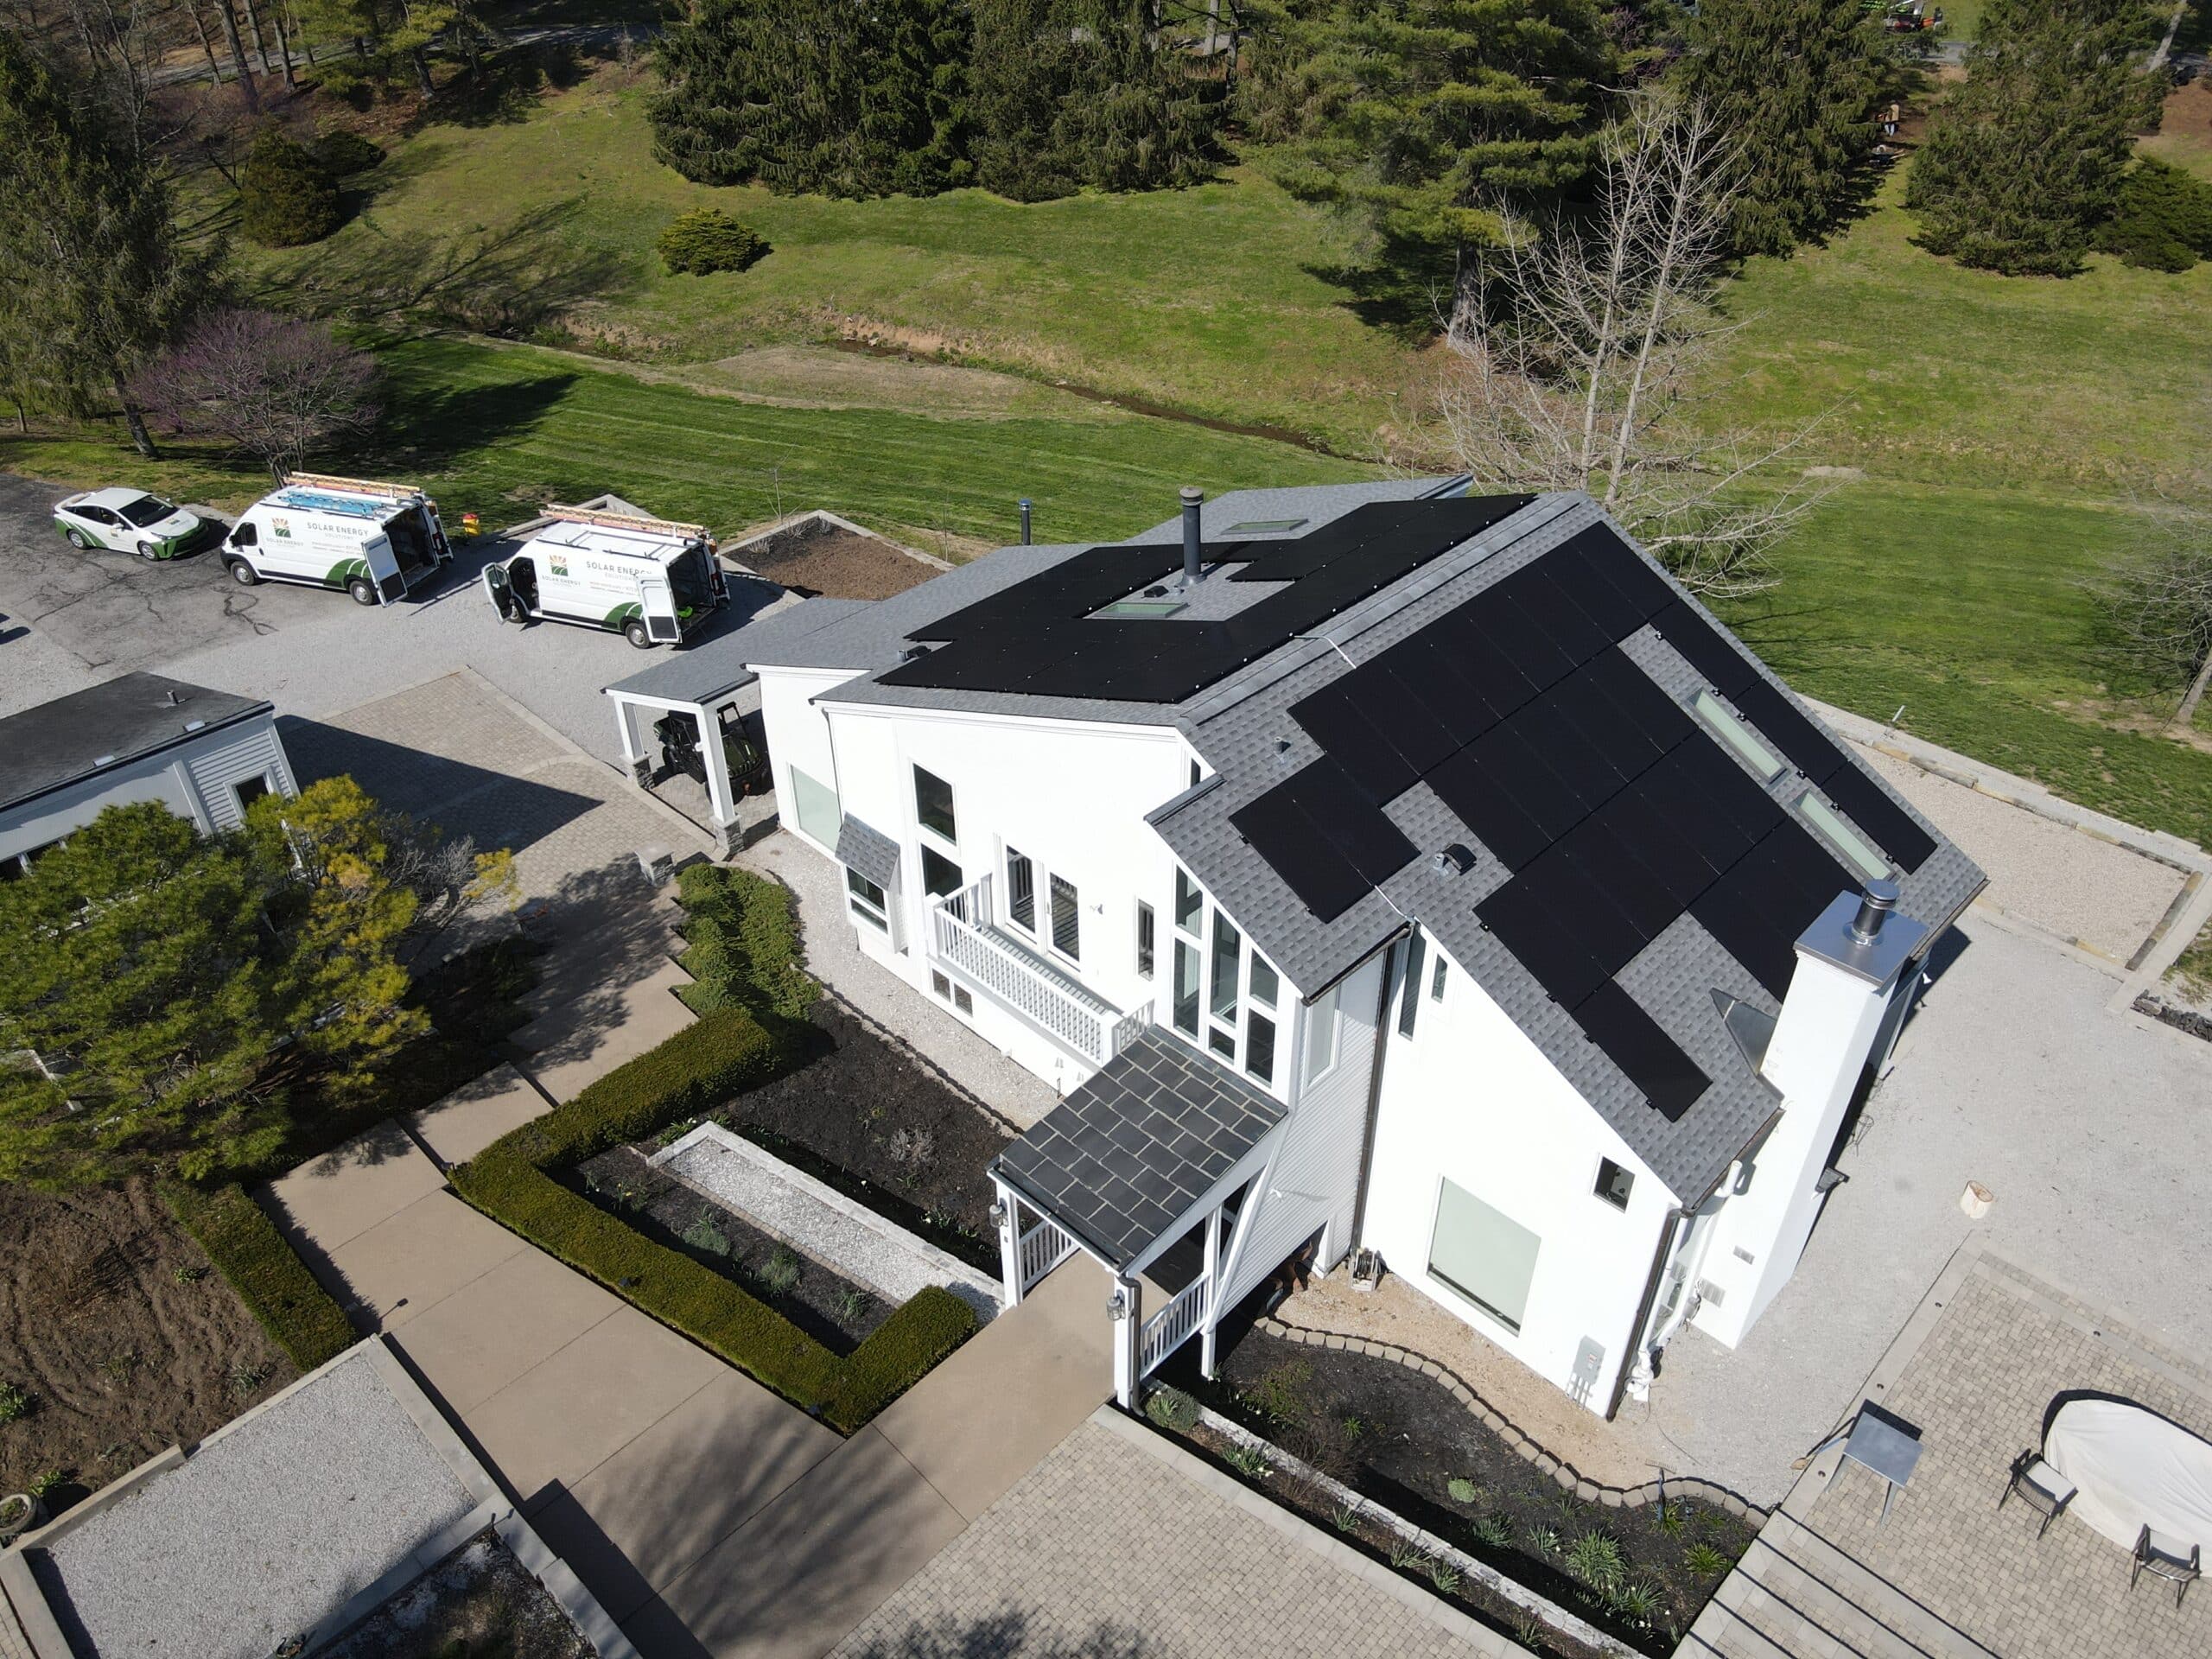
(831, 1308)
(814, 559)
(481, 1603)
(867, 1116)
(1401, 1439)
(124, 1339)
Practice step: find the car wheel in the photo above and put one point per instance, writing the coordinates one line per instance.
(78, 540)
(364, 590)
(242, 573)
(150, 550)
(634, 631)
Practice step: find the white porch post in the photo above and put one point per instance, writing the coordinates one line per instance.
(1128, 1335)
(633, 747)
(721, 797)
(1213, 1294)
(1009, 1242)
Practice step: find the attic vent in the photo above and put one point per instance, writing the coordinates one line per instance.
(171, 699)
(1455, 860)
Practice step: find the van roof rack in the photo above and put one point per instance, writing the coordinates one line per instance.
(358, 485)
(637, 521)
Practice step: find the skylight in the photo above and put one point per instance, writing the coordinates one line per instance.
(1737, 736)
(1866, 860)
(1264, 527)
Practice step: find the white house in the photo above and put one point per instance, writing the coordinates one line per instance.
(1376, 867)
(206, 755)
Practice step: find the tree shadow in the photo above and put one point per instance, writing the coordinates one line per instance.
(1405, 288)
(429, 428)
(506, 87)
(1006, 1633)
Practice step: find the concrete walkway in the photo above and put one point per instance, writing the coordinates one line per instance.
(708, 1516)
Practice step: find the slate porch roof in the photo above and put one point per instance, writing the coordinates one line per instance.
(1121, 1160)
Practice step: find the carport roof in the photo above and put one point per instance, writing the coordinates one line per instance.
(92, 731)
(715, 668)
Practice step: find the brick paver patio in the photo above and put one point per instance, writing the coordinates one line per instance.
(1977, 1371)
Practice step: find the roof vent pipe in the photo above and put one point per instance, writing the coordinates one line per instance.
(1191, 497)
(1876, 901)
(1024, 521)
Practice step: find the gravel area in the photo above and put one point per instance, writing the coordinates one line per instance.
(833, 1229)
(272, 1523)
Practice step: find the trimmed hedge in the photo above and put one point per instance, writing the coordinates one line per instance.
(266, 1272)
(723, 1053)
(741, 945)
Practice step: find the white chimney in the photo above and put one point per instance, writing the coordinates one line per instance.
(1849, 962)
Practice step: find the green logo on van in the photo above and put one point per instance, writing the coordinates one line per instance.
(621, 614)
(344, 571)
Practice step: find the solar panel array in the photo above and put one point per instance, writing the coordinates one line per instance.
(1613, 810)
(1040, 636)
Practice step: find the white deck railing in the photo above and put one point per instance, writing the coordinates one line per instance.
(1170, 1328)
(1044, 1247)
(964, 936)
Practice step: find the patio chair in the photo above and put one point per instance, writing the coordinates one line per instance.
(2162, 1558)
(2041, 1487)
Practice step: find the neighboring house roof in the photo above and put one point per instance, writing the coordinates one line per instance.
(870, 852)
(88, 732)
(1128, 1154)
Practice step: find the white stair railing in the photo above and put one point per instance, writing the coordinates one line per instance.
(1170, 1328)
(1044, 1247)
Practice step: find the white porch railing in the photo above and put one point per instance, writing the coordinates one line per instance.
(1042, 1247)
(964, 936)
(1170, 1328)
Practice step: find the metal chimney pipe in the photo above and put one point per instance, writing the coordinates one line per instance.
(1024, 521)
(1193, 496)
(1876, 901)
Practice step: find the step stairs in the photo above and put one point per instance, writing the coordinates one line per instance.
(1795, 1596)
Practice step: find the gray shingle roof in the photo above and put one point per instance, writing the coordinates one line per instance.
(870, 852)
(124, 719)
(1121, 1160)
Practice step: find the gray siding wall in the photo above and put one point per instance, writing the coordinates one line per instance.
(244, 752)
(1316, 1169)
(194, 781)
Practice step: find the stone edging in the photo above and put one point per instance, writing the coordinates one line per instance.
(1568, 1624)
(1568, 1478)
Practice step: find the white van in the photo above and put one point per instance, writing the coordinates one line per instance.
(649, 580)
(374, 540)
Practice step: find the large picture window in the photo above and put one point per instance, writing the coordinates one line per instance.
(1228, 963)
(933, 805)
(1485, 1255)
(816, 806)
(1187, 988)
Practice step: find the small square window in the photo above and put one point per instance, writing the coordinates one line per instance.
(251, 790)
(942, 986)
(866, 900)
(1614, 1183)
(1221, 1042)
(962, 1000)
(1436, 976)
(933, 804)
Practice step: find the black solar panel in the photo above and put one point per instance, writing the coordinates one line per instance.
(1351, 823)
(1323, 878)
(1332, 718)
(1419, 732)
(1577, 566)
(1599, 928)
(1637, 578)
(1542, 941)
(1633, 1040)
(1700, 644)
(1676, 867)
(1806, 746)
(1495, 816)
(1864, 802)
(1636, 699)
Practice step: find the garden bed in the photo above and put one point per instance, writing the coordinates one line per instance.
(119, 1336)
(817, 557)
(832, 1309)
(479, 1602)
(1401, 1440)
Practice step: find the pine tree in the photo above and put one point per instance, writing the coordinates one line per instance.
(814, 95)
(286, 197)
(2024, 162)
(1436, 121)
(86, 222)
(1795, 83)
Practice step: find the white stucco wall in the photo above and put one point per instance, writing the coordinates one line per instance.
(1469, 1098)
(196, 780)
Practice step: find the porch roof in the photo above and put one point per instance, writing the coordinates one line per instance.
(1123, 1159)
(861, 846)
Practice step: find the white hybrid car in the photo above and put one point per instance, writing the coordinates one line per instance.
(128, 521)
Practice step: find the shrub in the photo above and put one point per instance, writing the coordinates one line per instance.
(898, 1353)
(286, 197)
(1463, 1490)
(1444, 1576)
(741, 945)
(1493, 1530)
(713, 1057)
(265, 1271)
(779, 1273)
(1250, 1461)
(342, 153)
(1704, 1562)
(1172, 1409)
(2164, 220)
(1597, 1560)
(706, 240)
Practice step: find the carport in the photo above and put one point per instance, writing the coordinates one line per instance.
(686, 724)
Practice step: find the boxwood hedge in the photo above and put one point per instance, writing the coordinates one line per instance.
(266, 1272)
(721, 1053)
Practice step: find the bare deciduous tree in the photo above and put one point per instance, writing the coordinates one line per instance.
(1578, 352)
(2158, 601)
(278, 387)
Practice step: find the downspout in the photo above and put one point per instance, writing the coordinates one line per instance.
(1374, 1095)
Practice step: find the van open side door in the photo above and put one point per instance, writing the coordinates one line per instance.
(662, 625)
(502, 596)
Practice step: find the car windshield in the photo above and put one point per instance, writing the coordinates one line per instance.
(147, 509)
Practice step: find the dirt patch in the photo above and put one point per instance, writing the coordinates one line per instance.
(1404, 1440)
(2188, 112)
(866, 1116)
(123, 1336)
(812, 557)
(479, 1604)
(832, 1310)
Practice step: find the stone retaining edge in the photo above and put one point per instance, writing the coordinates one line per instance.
(1568, 1478)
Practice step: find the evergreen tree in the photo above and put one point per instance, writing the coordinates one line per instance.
(286, 197)
(1795, 83)
(1434, 120)
(2164, 218)
(1069, 93)
(814, 95)
(86, 223)
(2024, 160)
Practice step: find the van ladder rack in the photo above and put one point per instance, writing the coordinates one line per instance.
(358, 485)
(637, 521)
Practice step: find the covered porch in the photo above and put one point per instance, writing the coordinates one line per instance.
(1154, 1169)
(692, 733)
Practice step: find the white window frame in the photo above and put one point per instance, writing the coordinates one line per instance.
(1048, 933)
(1461, 1293)
(267, 781)
(914, 769)
(1145, 952)
(876, 913)
(1323, 1014)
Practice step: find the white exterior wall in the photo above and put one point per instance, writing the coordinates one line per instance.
(1469, 1098)
(798, 736)
(196, 780)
